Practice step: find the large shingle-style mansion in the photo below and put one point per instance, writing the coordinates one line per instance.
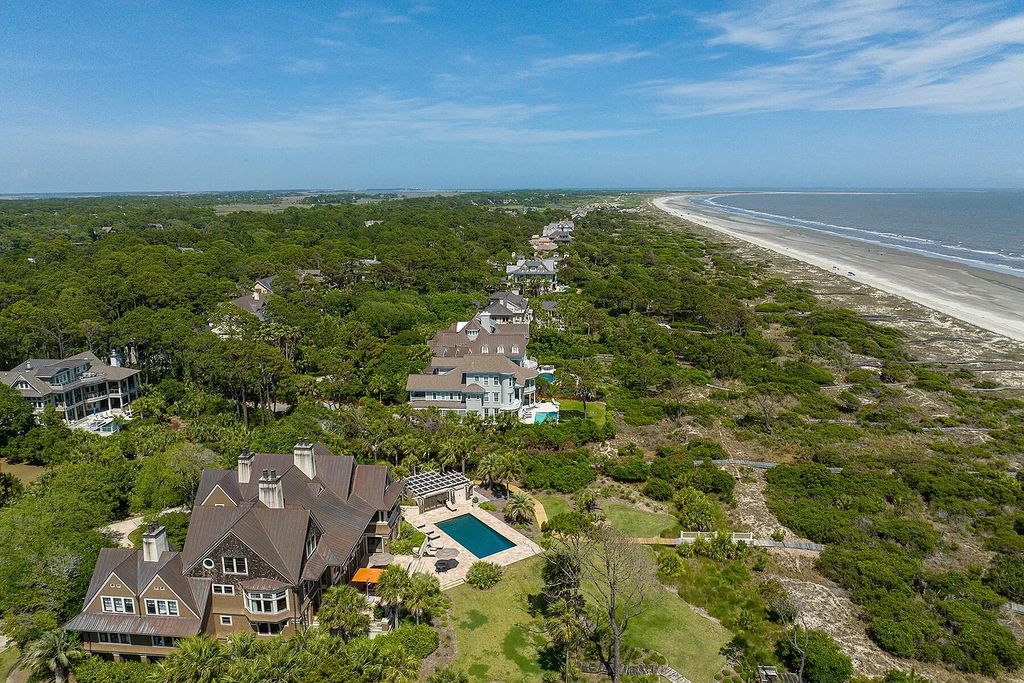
(481, 366)
(264, 541)
(540, 273)
(79, 387)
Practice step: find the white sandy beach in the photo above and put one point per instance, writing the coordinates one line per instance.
(990, 300)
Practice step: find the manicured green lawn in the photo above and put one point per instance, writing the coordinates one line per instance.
(637, 523)
(8, 658)
(553, 505)
(687, 640)
(596, 410)
(496, 640)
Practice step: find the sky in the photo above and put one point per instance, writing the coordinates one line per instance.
(159, 96)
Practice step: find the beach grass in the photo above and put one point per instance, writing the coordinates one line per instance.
(498, 639)
(637, 523)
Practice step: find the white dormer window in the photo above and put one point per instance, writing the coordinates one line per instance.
(118, 605)
(485, 349)
(311, 542)
(163, 608)
(515, 349)
(501, 349)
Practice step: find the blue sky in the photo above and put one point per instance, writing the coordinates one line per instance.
(223, 95)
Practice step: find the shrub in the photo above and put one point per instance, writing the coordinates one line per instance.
(696, 512)
(1006, 576)
(96, 670)
(448, 674)
(484, 575)
(632, 470)
(418, 640)
(489, 506)
(562, 472)
(658, 489)
(824, 662)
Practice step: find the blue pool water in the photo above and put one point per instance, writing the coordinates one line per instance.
(474, 535)
(541, 418)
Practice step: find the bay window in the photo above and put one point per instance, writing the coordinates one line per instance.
(267, 603)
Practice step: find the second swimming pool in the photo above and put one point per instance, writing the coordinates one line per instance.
(474, 535)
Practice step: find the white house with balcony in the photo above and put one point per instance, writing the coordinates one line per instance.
(483, 385)
(84, 391)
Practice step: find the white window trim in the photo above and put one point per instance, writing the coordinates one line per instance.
(267, 596)
(225, 620)
(127, 604)
(225, 589)
(224, 565)
(170, 608)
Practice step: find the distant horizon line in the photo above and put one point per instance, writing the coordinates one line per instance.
(83, 194)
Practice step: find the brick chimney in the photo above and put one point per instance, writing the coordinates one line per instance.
(303, 454)
(154, 543)
(271, 490)
(244, 466)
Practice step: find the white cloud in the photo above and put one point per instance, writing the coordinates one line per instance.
(585, 59)
(224, 55)
(305, 66)
(858, 54)
(370, 120)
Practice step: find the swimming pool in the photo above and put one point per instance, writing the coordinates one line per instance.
(474, 535)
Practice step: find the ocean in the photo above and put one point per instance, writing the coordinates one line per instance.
(983, 228)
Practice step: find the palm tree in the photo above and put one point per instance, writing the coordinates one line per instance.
(519, 508)
(565, 631)
(198, 659)
(489, 467)
(53, 654)
(397, 665)
(424, 594)
(343, 612)
(510, 466)
(448, 674)
(242, 645)
(393, 587)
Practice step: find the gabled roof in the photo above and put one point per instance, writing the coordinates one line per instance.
(342, 500)
(512, 298)
(250, 304)
(136, 574)
(38, 371)
(267, 282)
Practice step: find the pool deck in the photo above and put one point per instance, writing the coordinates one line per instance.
(522, 549)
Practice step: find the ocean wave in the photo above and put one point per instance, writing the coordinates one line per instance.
(999, 261)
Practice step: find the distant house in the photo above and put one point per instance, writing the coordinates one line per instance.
(80, 388)
(482, 337)
(541, 273)
(542, 244)
(509, 308)
(265, 540)
(255, 301)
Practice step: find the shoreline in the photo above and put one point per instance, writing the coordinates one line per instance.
(987, 299)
